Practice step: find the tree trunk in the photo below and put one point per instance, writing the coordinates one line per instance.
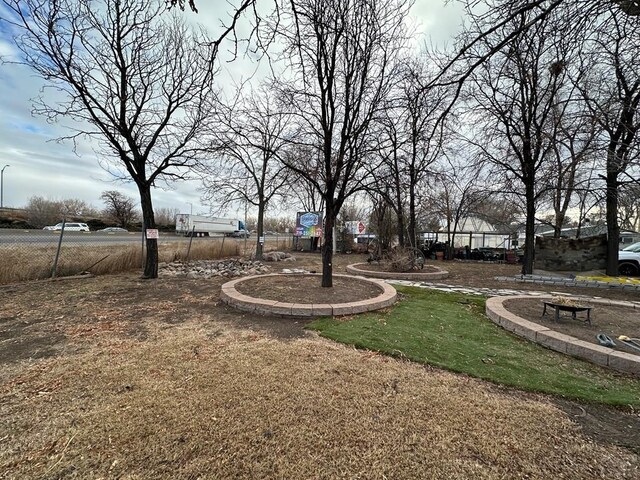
(399, 213)
(327, 245)
(260, 230)
(530, 226)
(613, 230)
(412, 215)
(557, 228)
(148, 221)
(401, 239)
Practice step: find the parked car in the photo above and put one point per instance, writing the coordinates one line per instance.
(69, 227)
(114, 230)
(629, 260)
(242, 233)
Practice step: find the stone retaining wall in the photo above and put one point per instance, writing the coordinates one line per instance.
(260, 306)
(571, 254)
(417, 275)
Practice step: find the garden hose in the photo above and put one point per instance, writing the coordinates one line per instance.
(605, 340)
(630, 342)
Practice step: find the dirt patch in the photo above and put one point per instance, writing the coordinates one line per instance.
(605, 425)
(31, 347)
(306, 289)
(610, 320)
(43, 319)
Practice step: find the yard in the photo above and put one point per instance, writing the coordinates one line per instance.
(116, 377)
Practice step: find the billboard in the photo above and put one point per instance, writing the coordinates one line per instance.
(356, 227)
(309, 224)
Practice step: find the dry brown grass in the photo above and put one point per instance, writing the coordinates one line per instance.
(158, 380)
(36, 263)
(245, 406)
(19, 265)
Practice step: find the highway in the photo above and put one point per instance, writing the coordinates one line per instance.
(13, 237)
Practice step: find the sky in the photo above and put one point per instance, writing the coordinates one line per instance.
(41, 166)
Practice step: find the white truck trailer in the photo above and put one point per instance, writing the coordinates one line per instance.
(199, 226)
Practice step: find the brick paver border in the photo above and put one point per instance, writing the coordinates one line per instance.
(231, 296)
(604, 356)
(417, 276)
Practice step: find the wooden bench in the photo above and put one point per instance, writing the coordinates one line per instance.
(559, 307)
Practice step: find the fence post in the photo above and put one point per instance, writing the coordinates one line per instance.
(55, 262)
(193, 230)
(222, 246)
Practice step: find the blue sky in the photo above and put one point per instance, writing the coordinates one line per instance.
(41, 166)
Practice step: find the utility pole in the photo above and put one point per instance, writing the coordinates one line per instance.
(2, 186)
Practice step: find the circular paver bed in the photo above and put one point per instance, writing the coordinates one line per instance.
(301, 295)
(501, 311)
(429, 272)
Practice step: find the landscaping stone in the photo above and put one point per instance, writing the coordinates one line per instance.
(235, 267)
(278, 257)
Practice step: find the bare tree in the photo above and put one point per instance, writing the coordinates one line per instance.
(181, 4)
(249, 140)
(166, 216)
(589, 195)
(119, 207)
(421, 106)
(573, 137)
(516, 92)
(615, 106)
(458, 186)
(581, 17)
(132, 77)
(341, 52)
(490, 33)
(629, 207)
(388, 181)
(410, 140)
(41, 212)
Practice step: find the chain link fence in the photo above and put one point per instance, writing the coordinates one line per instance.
(41, 254)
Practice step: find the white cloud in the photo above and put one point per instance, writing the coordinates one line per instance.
(438, 21)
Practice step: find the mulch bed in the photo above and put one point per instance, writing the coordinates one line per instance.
(306, 289)
(385, 267)
(610, 320)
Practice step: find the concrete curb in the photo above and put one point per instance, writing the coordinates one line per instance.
(353, 269)
(604, 356)
(231, 296)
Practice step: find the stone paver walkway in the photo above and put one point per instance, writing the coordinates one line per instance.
(568, 282)
(488, 292)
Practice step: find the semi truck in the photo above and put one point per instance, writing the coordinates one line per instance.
(200, 226)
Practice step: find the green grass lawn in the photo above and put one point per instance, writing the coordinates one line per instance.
(451, 331)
